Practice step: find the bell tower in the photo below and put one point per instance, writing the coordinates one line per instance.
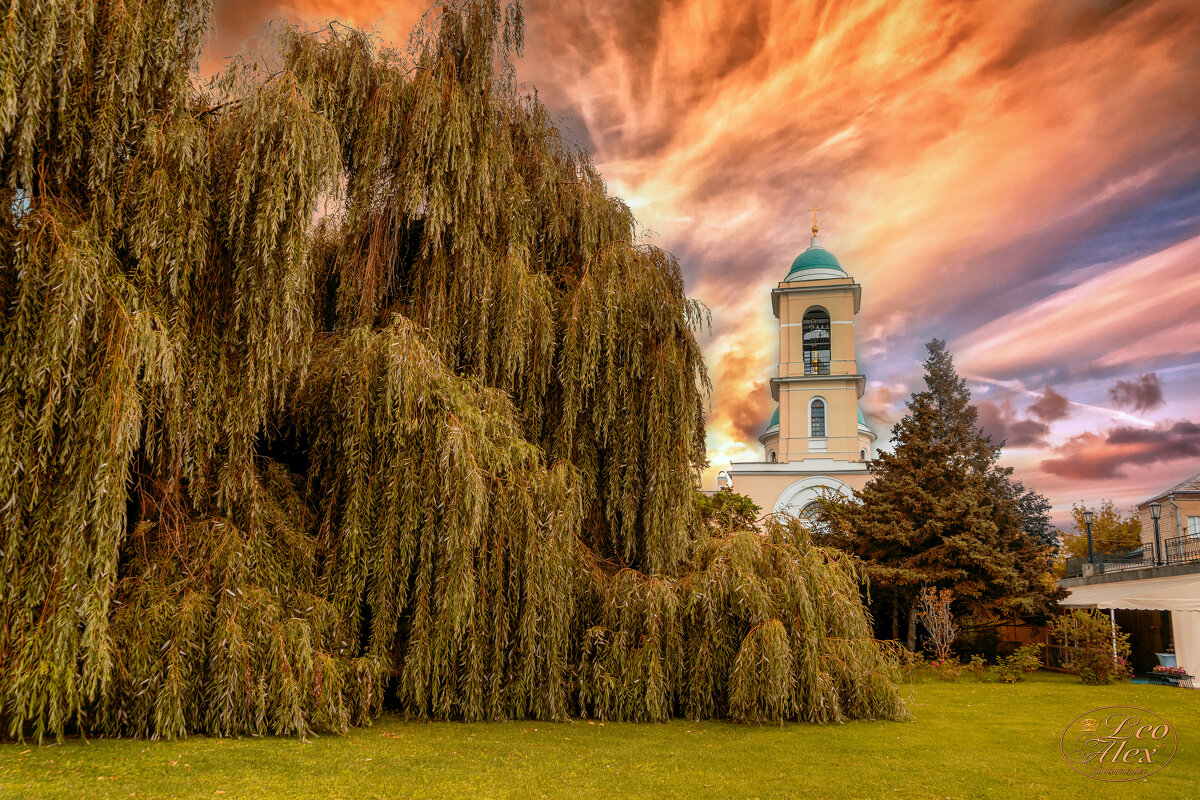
(818, 438)
(818, 384)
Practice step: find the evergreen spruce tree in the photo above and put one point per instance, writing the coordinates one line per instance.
(437, 449)
(939, 511)
(1035, 516)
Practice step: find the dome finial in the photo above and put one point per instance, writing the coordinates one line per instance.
(814, 211)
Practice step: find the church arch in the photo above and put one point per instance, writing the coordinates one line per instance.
(806, 491)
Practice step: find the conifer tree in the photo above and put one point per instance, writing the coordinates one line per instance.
(436, 449)
(941, 512)
(726, 510)
(1035, 516)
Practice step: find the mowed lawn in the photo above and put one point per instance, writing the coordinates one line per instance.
(966, 740)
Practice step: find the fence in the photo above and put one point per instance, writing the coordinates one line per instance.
(1177, 550)
(1181, 549)
(1057, 656)
(1107, 562)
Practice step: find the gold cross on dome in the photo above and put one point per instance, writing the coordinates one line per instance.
(814, 211)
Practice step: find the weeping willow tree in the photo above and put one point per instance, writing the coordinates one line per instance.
(340, 382)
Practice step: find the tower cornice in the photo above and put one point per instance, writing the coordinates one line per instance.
(859, 381)
(819, 288)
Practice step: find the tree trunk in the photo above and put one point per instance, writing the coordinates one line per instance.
(912, 628)
(896, 617)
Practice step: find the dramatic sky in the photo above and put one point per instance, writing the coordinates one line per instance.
(1020, 178)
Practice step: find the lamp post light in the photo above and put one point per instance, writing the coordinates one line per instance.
(1087, 520)
(1155, 513)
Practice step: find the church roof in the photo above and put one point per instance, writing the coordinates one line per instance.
(861, 419)
(815, 263)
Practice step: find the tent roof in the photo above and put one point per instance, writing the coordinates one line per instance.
(1179, 593)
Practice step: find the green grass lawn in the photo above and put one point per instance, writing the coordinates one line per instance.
(966, 740)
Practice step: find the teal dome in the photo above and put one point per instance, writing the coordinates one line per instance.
(861, 419)
(774, 423)
(815, 257)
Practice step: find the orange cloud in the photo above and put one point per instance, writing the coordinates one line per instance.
(974, 161)
(238, 23)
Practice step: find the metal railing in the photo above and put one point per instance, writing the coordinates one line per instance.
(1176, 550)
(1181, 550)
(839, 366)
(1111, 562)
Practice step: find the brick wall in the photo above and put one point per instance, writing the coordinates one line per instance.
(1189, 506)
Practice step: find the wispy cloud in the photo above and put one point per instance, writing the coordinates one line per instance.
(1019, 177)
(1116, 321)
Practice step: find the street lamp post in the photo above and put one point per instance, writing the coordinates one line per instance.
(1087, 520)
(1155, 513)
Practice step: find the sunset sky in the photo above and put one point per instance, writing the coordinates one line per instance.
(1019, 178)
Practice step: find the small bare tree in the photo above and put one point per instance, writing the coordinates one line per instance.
(933, 611)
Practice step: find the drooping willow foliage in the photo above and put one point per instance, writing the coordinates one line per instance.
(762, 625)
(340, 381)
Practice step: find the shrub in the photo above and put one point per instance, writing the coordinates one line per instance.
(911, 664)
(947, 669)
(978, 666)
(1024, 660)
(726, 510)
(1096, 649)
(933, 611)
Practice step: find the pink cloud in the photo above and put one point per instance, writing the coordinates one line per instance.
(1115, 320)
(1144, 393)
(1092, 456)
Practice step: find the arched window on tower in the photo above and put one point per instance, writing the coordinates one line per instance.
(816, 342)
(771, 457)
(816, 426)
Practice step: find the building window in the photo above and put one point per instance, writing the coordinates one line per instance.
(771, 456)
(816, 342)
(862, 454)
(1194, 527)
(813, 519)
(817, 416)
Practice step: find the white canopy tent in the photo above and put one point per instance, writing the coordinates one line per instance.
(1179, 594)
